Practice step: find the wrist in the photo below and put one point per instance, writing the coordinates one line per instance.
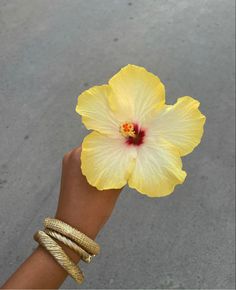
(87, 219)
(71, 254)
(83, 223)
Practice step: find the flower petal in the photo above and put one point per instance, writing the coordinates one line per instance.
(137, 94)
(180, 124)
(158, 169)
(93, 106)
(106, 162)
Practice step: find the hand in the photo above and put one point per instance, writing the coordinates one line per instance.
(80, 204)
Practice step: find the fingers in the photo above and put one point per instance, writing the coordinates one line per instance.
(71, 160)
(73, 154)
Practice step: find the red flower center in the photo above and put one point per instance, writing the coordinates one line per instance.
(133, 134)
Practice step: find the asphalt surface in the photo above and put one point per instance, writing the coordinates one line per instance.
(52, 50)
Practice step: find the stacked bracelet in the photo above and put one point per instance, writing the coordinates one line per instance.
(59, 255)
(71, 237)
(81, 239)
(83, 254)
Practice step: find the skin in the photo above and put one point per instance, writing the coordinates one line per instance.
(81, 206)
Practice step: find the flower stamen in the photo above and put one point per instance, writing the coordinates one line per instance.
(127, 130)
(134, 135)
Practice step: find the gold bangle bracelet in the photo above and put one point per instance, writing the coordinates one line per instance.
(81, 239)
(59, 255)
(66, 241)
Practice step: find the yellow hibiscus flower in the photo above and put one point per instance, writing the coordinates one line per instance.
(137, 138)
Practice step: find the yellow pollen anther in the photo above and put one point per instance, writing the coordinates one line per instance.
(127, 130)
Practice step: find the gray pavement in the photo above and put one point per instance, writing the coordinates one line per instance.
(50, 51)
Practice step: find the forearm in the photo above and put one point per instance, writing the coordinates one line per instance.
(39, 270)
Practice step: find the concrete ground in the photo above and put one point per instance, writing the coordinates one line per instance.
(52, 50)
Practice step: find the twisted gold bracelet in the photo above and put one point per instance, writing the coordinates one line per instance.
(82, 253)
(59, 255)
(81, 239)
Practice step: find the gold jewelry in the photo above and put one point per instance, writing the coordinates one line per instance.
(59, 255)
(83, 254)
(81, 239)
